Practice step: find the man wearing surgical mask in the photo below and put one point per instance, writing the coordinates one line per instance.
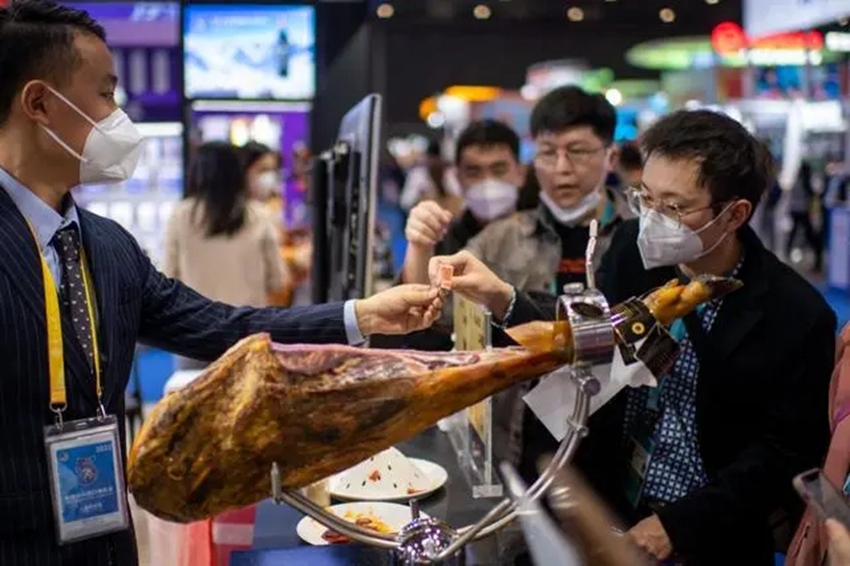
(542, 250)
(490, 174)
(77, 294)
(701, 465)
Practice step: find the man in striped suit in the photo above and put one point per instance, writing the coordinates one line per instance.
(76, 288)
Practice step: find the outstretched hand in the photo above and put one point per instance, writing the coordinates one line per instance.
(474, 280)
(399, 310)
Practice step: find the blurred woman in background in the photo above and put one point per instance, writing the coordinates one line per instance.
(434, 180)
(219, 241)
(264, 181)
(262, 176)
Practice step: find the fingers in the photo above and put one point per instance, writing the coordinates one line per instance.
(433, 210)
(460, 263)
(427, 224)
(839, 541)
(416, 295)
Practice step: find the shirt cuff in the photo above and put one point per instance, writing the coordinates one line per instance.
(503, 324)
(352, 331)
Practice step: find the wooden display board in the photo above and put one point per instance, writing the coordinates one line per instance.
(471, 430)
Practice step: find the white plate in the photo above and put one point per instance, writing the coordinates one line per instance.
(435, 472)
(395, 516)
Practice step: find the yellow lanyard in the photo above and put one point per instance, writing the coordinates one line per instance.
(55, 350)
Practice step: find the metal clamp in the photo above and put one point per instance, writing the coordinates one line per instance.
(428, 541)
(423, 541)
(589, 316)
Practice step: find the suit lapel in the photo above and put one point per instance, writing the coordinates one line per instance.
(20, 259)
(19, 256)
(743, 309)
(105, 289)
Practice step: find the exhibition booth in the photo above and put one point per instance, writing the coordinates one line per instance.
(203, 71)
(198, 72)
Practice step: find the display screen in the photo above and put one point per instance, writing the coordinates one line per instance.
(787, 81)
(134, 24)
(249, 52)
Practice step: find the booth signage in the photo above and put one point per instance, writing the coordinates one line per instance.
(729, 39)
(734, 46)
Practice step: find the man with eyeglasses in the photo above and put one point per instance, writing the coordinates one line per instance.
(741, 412)
(541, 250)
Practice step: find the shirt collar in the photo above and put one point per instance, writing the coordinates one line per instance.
(44, 220)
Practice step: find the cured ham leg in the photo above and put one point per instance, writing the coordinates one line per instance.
(315, 410)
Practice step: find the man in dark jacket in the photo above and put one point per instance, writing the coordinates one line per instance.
(742, 410)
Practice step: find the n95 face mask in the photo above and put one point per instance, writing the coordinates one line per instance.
(491, 199)
(112, 149)
(664, 241)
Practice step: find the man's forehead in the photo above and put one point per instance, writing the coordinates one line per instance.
(95, 59)
(664, 176)
(569, 136)
(480, 153)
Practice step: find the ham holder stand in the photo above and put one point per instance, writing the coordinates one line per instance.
(429, 541)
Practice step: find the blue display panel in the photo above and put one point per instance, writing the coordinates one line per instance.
(249, 52)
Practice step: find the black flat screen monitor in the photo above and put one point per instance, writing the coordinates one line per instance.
(344, 195)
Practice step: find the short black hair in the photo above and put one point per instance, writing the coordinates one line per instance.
(733, 164)
(37, 41)
(487, 133)
(631, 158)
(569, 107)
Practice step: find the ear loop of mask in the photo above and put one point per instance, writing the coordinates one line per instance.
(719, 240)
(53, 134)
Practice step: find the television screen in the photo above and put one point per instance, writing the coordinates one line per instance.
(249, 51)
(136, 24)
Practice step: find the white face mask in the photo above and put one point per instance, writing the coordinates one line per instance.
(491, 199)
(266, 184)
(112, 148)
(664, 241)
(574, 214)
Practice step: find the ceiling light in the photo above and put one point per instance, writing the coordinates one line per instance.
(482, 12)
(667, 15)
(385, 11)
(575, 14)
(712, 2)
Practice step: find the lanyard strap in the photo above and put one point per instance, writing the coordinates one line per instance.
(55, 349)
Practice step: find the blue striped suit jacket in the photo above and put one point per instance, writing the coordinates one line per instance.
(134, 302)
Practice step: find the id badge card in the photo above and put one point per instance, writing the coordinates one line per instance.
(639, 454)
(86, 478)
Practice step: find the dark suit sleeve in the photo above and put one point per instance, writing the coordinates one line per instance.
(176, 318)
(532, 306)
(618, 267)
(794, 439)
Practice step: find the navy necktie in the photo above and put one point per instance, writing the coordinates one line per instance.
(73, 290)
